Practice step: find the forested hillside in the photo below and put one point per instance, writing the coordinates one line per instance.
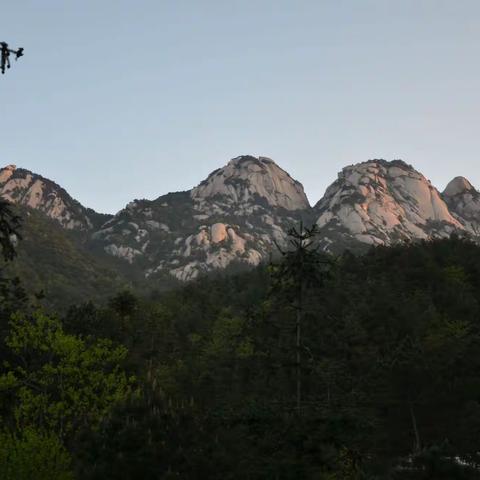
(315, 367)
(54, 263)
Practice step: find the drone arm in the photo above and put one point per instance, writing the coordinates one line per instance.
(18, 53)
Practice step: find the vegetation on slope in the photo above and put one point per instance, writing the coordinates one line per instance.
(54, 263)
(203, 381)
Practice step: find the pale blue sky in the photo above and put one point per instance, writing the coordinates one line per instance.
(118, 100)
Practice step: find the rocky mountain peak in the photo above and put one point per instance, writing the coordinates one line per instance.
(246, 179)
(463, 200)
(233, 218)
(25, 188)
(457, 186)
(7, 172)
(380, 202)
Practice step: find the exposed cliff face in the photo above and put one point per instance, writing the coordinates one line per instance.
(463, 200)
(380, 202)
(31, 190)
(248, 180)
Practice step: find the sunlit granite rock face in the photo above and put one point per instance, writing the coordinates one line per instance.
(463, 200)
(379, 202)
(246, 180)
(23, 187)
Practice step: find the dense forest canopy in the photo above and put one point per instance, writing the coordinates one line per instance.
(314, 367)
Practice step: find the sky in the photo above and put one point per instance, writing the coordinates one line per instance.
(116, 100)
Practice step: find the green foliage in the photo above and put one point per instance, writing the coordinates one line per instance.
(302, 265)
(389, 369)
(57, 263)
(59, 381)
(33, 455)
(9, 228)
(390, 355)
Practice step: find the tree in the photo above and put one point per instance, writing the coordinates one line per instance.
(33, 455)
(9, 226)
(300, 268)
(59, 382)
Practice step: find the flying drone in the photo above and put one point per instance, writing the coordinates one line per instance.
(5, 52)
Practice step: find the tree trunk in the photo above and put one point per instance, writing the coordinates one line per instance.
(416, 444)
(298, 343)
(298, 360)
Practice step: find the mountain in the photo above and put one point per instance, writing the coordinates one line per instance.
(23, 187)
(248, 180)
(239, 215)
(380, 203)
(55, 262)
(232, 218)
(54, 257)
(464, 202)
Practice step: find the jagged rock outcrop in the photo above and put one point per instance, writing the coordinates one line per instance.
(379, 202)
(23, 187)
(463, 200)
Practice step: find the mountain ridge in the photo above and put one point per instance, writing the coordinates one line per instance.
(21, 186)
(241, 211)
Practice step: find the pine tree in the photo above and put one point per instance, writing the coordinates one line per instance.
(302, 266)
